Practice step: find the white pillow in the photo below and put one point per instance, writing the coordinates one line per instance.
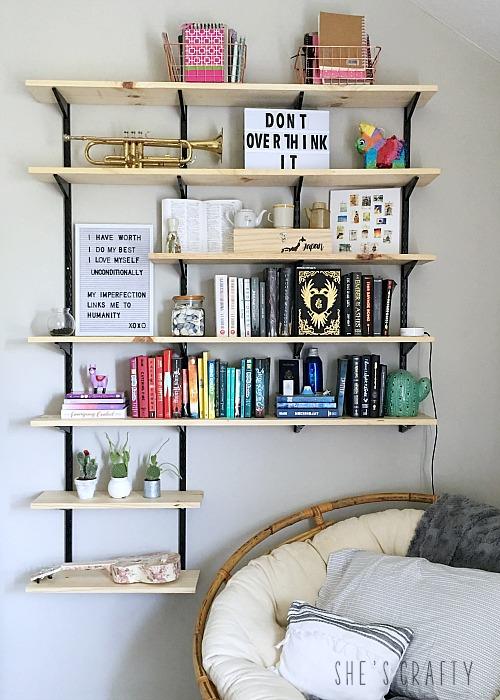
(333, 658)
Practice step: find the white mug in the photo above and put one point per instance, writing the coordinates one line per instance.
(282, 216)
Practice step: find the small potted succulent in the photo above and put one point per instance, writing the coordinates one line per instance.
(86, 482)
(154, 470)
(119, 457)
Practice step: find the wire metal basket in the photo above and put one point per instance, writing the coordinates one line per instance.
(336, 65)
(221, 62)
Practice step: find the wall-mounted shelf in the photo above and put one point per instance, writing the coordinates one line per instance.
(49, 421)
(112, 92)
(68, 500)
(237, 177)
(252, 258)
(215, 340)
(101, 582)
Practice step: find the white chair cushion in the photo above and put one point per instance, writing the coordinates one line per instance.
(247, 618)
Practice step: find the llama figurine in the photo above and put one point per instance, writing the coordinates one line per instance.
(98, 382)
(378, 151)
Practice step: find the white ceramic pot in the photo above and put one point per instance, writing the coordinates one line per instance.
(152, 488)
(85, 488)
(119, 487)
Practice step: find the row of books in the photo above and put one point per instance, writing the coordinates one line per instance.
(86, 405)
(169, 386)
(308, 302)
(361, 382)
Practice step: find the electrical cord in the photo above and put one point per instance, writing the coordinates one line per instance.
(435, 416)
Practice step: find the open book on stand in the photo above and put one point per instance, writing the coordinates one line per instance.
(203, 226)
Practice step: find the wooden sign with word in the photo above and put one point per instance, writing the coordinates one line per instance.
(114, 279)
(287, 138)
(278, 241)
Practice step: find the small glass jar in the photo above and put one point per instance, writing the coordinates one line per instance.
(188, 316)
(61, 322)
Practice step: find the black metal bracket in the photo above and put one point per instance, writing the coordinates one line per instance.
(405, 428)
(64, 429)
(182, 187)
(406, 348)
(65, 109)
(408, 114)
(183, 277)
(182, 487)
(65, 347)
(63, 185)
(298, 428)
(297, 191)
(297, 349)
(299, 100)
(407, 268)
(183, 123)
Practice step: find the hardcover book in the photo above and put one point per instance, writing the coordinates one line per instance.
(159, 385)
(167, 384)
(248, 387)
(262, 309)
(151, 388)
(346, 314)
(260, 388)
(357, 303)
(318, 301)
(233, 306)
(241, 307)
(365, 385)
(142, 385)
(388, 289)
(374, 386)
(221, 306)
(271, 277)
(254, 306)
(237, 394)
(342, 364)
(285, 276)
(377, 306)
(367, 304)
(307, 413)
(134, 402)
(176, 402)
(211, 389)
(355, 386)
(247, 292)
(223, 389)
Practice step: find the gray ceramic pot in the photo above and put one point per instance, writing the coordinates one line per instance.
(152, 489)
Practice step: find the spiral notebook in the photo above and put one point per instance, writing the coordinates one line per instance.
(342, 47)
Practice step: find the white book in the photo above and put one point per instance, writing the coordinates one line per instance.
(237, 394)
(221, 306)
(203, 226)
(87, 413)
(233, 306)
(248, 308)
(241, 307)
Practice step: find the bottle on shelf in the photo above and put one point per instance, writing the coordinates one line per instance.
(188, 315)
(61, 322)
(313, 371)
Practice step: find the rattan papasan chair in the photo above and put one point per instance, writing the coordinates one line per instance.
(243, 616)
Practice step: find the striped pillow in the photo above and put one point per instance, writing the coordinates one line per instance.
(334, 658)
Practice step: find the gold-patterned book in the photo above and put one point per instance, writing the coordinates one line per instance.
(318, 301)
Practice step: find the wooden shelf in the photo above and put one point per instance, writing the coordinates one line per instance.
(101, 582)
(110, 92)
(215, 340)
(248, 258)
(68, 500)
(48, 421)
(229, 177)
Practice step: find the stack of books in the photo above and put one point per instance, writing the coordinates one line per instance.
(169, 386)
(316, 405)
(80, 405)
(366, 384)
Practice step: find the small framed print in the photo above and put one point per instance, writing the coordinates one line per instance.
(373, 219)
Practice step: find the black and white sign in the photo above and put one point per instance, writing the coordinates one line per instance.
(287, 138)
(114, 280)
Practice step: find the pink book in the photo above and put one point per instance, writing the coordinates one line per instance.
(134, 403)
(204, 52)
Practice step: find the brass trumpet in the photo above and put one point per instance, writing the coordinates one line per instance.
(132, 153)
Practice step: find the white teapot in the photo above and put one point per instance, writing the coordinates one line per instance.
(246, 218)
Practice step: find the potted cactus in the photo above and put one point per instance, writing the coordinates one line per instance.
(119, 457)
(86, 482)
(154, 470)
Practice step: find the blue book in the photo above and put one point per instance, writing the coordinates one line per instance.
(307, 413)
(228, 393)
(306, 398)
(242, 387)
(308, 406)
(222, 389)
(341, 381)
(232, 382)
(260, 388)
(248, 386)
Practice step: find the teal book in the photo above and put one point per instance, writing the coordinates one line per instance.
(248, 387)
(211, 389)
(242, 387)
(231, 376)
(260, 388)
(223, 390)
(237, 394)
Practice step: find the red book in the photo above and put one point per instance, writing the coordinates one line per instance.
(167, 383)
(159, 385)
(134, 402)
(142, 385)
(151, 388)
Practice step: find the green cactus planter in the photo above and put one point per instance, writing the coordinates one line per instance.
(404, 393)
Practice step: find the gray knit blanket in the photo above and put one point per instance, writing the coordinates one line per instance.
(458, 532)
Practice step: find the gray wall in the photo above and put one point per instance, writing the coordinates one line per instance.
(124, 647)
